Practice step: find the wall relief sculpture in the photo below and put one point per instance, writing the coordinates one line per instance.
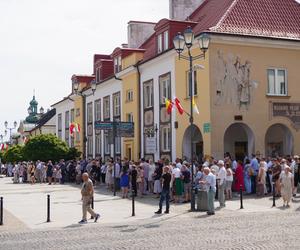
(232, 78)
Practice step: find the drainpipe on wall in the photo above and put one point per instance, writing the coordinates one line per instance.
(84, 153)
(139, 108)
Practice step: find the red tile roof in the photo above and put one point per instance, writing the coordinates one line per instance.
(265, 18)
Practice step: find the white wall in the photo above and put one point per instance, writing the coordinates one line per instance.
(107, 88)
(152, 70)
(61, 108)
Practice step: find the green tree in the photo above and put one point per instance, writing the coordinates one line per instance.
(14, 154)
(44, 148)
(72, 154)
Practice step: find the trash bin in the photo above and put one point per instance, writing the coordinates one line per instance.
(202, 200)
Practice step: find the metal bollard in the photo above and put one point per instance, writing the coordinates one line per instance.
(48, 208)
(241, 197)
(274, 203)
(92, 205)
(1, 211)
(193, 199)
(133, 202)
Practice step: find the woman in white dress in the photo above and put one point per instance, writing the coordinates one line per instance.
(286, 182)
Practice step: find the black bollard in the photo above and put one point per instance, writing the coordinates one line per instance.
(193, 199)
(1, 211)
(274, 204)
(133, 202)
(92, 205)
(241, 197)
(48, 208)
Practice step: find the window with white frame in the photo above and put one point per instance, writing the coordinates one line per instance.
(166, 138)
(98, 110)
(166, 40)
(277, 82)
(90, 145)
(90, 112)
(72, 117)
(148, 94)
(106, 107)
(98, 75)
(106, 144)
(129, 95)
(118, 145)
(194, 81)
(159, 43)
(165, 88)
(67, 119)
(98, 144)
(67, 137)
(59, 125)
(129, 117)
(117, 104)
(118, 64)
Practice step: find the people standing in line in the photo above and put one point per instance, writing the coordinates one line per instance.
(87, 194)
(165, 193)
(229, 181)
(141, 180)
(295, 171)
(157, 176)
(151, 176)
(261, 179)
(186, 178)
(239, 177)
(49, 172)
(32, 174)
(62, 167)
(287, 185)
(255, 166)
(247, 176)
(276, 171)
(177, 179)
(222, 183)
(124, 181)
(210, 183)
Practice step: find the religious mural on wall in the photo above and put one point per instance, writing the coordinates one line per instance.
(232, 78)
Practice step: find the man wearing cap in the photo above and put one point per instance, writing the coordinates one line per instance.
(222, 183)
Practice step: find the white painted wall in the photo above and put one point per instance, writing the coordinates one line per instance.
(61, 108)
(152, 70)
(107, 88)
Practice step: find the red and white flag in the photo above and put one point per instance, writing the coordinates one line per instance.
(178, 106)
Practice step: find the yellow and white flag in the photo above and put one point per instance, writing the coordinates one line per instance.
(195, 108)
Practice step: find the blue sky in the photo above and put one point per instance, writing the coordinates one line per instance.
(44, 42)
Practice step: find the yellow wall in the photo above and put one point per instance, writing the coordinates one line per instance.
(132, 59)
(130, 82)
(202, 100)
(258, 115)
(78, 103)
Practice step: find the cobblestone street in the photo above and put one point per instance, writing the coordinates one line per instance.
(258, 226)
(230, 231)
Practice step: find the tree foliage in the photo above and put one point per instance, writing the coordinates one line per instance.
(13, 154)
(44, 148)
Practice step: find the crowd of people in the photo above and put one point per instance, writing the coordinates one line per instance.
(254, 175)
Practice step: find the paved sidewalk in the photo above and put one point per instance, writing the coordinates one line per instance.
(28, 205)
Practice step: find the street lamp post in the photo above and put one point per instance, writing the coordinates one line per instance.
(10, 129)
(180, 42)
(80, 93)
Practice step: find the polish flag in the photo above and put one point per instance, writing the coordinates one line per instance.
(178, 106)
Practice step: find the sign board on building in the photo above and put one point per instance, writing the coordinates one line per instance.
(206, 128)
(150, 144)
(122, 129)
(288, 110)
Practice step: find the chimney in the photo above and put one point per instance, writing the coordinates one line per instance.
(139, 32)
(181, 9)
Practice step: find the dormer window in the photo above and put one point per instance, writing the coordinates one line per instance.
(163, 42)
(159, 43)
(118, 64)
(98, 76)
(166, 40)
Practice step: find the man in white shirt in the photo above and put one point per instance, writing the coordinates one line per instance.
(210, 183)
(222, 183)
